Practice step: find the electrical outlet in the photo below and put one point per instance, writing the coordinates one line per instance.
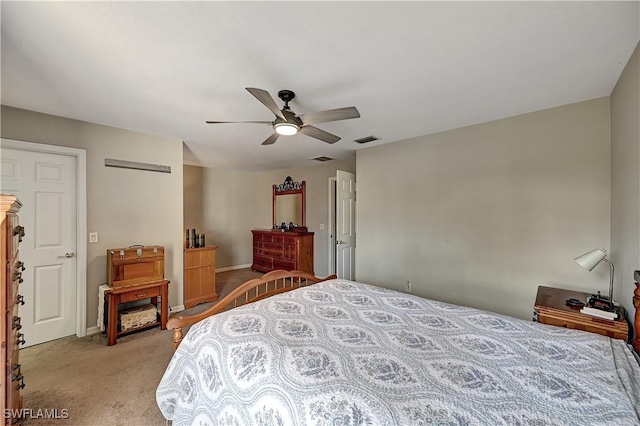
(408, 286)
(93, 237)
(322, 226)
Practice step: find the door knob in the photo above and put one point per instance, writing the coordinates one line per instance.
(67, 255)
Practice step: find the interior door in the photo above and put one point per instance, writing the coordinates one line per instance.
(46, 186)
(345, 225)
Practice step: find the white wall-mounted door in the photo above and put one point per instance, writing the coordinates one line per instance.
(46, 184)
(345, 225)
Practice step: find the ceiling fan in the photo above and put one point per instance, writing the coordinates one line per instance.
(289, 123)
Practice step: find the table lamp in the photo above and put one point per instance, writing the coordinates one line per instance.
(590, 260)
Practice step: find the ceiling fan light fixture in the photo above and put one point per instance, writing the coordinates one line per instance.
(286, 129)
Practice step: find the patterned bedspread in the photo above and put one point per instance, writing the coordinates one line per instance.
(340, 352)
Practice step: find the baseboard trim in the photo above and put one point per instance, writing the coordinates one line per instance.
(233, 268)
(175, 309)
(93, 330)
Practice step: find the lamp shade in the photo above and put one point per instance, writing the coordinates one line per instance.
(590, 260)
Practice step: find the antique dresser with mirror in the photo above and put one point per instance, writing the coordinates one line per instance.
(288, 244)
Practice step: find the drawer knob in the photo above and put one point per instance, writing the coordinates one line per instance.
(18, 377)
(139, 295)
(19, 230)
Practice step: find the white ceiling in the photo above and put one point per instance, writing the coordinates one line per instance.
(411, 68)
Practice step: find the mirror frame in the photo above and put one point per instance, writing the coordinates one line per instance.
(289, 187)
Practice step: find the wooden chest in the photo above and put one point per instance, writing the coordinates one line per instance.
(134, 265)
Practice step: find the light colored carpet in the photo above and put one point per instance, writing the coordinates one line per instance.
(105, 385)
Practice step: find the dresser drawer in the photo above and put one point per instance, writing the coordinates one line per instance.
(283, 264)
(289, 252)
(272, 246)
(290, 240)
(134, 295)
(263, 261)
(274, 253)
(264, 237)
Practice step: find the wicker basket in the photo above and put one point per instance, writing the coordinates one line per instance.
(138, 317)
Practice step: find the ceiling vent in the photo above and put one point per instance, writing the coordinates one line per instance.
(322, 158)
(366, 139)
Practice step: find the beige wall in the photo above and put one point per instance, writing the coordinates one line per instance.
(232, 206)
(192, 198)
(124, 206)
(483, 215)
(625, 180)
(236, 202)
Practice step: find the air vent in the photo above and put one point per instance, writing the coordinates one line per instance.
(322, 158)
(366, 139)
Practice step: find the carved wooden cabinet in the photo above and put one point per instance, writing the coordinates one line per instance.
(282, 250)
(199, 276)
(12, 379)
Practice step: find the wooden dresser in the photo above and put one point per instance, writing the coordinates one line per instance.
(282, 250)
(199, 276)
(12, 380)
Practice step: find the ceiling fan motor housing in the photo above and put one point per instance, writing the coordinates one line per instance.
(286, 96)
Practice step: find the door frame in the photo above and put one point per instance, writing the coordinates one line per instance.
(338, 202)
(81, 219)
(332, 225)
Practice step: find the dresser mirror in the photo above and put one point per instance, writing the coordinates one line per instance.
(289, 205)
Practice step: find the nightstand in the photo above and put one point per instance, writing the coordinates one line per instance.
(551, 308)
(119, 295)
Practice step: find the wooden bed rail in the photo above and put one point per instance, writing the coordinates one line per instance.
(269, 284)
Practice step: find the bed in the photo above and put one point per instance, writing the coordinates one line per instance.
(297, 349)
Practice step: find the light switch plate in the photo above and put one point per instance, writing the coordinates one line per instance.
(93, 237)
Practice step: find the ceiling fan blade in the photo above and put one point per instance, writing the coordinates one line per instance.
(314, 132)
(330, 115)
(234, 122)
(271, 139)
(266, 99)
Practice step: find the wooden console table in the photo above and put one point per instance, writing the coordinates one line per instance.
(551, 308)
(115, 296)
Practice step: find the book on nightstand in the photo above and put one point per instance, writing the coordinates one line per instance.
(599, 313)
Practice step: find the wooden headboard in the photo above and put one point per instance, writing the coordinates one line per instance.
(271, 283)
(636, 322)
